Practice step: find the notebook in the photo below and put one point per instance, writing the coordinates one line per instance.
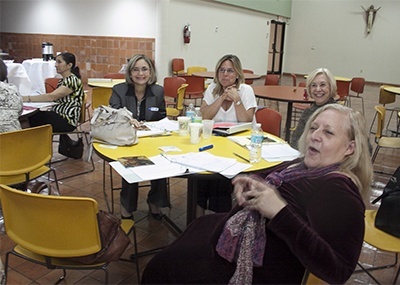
(229, 128)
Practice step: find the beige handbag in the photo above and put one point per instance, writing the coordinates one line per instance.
(113, 126)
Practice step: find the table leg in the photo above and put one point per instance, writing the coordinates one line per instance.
(191, 204)
(288, 121)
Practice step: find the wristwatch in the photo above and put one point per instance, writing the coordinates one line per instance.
(238, 103)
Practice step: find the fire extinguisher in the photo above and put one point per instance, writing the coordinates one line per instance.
(186, 34)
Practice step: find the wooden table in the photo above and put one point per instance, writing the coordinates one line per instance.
(211, 74)
(288, 94)
(392, 89)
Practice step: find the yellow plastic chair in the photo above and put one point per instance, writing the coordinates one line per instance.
(101, 96)
(381, 241)
(311, 279)
(194, 69)
(25, 155)
(385, 98)
(383, 141)
(177, 111)
(49, 229)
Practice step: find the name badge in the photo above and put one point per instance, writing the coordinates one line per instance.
(153, 109)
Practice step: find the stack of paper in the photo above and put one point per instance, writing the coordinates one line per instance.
(157, 128)
(279, 152)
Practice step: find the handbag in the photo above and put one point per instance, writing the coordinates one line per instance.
(388, 215)
(70, 147)
(113, 126)
(113, 239)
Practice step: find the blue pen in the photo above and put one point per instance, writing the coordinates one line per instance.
(210, 146)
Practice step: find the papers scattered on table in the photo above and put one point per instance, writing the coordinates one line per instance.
(159, 128)
(176, 165)
(279, 152)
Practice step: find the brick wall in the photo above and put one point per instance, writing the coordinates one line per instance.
(95, 55)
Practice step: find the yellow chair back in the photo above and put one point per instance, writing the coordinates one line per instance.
(193, 69)
(55, 226)
(23, 152)
(175, 112)
(101, 96)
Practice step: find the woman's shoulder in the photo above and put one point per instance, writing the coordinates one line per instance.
(245, 87)
(157, 89)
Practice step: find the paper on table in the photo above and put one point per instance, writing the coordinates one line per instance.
(39, 105)
(162, 168)
(235, 169)
(279, 152)
(159, 128)
(203, 160)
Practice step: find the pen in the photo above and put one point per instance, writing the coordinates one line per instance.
(210, 146)
(238, 155)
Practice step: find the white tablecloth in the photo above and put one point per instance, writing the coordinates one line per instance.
(17, 75)
(38, 70)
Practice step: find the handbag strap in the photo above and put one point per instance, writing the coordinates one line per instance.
(388, 190)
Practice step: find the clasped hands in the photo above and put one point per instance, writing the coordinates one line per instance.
(258, 195)
(231, 94)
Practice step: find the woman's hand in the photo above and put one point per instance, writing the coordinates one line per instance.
(231, 93)
(135, 123)
(257, 195)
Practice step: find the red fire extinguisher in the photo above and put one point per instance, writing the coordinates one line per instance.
(186, 34)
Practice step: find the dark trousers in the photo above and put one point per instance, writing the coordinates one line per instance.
(157, 195)
(58, 123)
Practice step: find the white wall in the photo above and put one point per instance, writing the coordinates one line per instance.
(216, 30)
(242, 32)
(332, 34)
(127, 18)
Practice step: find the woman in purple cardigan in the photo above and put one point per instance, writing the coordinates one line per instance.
(304, 214)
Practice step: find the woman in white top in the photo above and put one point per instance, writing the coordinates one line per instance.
(227, 99)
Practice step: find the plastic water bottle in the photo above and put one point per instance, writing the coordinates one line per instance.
(257, 137)
(191, 112)
(197, 118)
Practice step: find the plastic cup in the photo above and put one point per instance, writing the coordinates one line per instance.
(195, 132)
(207, 128)
(183, 125)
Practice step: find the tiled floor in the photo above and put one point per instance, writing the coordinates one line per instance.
(152, 233)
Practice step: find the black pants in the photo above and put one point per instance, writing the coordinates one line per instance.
(58, 123)
(157, 195)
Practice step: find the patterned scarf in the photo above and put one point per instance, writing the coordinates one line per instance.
(243, 238)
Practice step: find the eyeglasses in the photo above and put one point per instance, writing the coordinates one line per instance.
(315, 85)
(228, 70)
(138, 70)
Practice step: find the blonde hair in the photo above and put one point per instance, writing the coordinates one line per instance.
(329, 77)
(357, 165)
(131, 64)
(237, 66)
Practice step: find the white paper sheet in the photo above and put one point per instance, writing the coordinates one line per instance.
(279, 152)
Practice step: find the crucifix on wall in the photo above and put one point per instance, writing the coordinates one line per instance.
(371, 13)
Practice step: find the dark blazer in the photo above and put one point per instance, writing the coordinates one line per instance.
(123, 95)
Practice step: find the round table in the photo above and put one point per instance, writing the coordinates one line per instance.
(38, 70)
(288, 94)
(149, 146)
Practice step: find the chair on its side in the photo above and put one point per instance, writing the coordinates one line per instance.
(171, 86)
(25, 155)
(114, 75)
(194, 69)
(357, 86)
(248, 81)
(195, 89)
(270, 121)
(381, 140)
(178, 66)
(48, 230)
(177, 111)
(382, 241)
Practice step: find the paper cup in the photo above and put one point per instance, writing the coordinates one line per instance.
(195, 132)
(183, 125)
(207, 128)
